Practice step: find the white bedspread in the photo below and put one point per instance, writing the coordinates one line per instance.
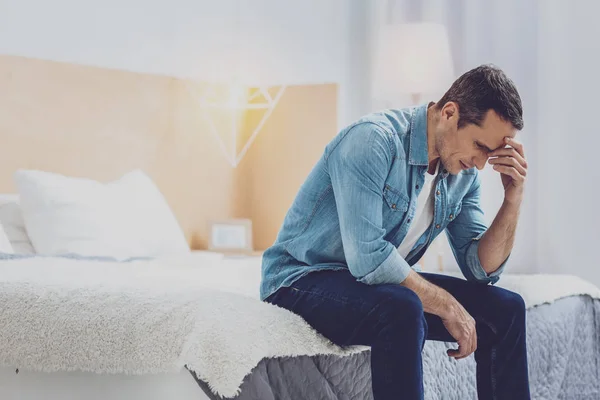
(158, 316)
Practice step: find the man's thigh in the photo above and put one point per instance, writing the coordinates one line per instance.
(342, 309)
(349, 312)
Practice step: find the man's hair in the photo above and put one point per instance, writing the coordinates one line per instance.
(482, 89)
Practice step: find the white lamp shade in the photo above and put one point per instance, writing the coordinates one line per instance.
(412, 58)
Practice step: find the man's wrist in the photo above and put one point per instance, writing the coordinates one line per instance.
(447, 305)
(435, 300)
(513, 203)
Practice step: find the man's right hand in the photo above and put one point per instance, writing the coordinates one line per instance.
(461, 326)
(456, 319)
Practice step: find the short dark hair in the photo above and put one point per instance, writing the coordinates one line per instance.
(482, 89)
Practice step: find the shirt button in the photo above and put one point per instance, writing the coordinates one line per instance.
(437, 226)
(393, 206)
(451, 216)
(408, 220)
(438, 193)
(417, 186)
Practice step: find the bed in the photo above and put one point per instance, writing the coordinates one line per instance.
(119, 307)
(242, 348)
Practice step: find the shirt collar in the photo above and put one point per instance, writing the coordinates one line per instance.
(418, 152)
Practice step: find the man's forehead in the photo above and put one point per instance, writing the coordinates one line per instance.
(495, 129)
(493, 137)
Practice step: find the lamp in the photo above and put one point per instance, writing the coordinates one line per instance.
(412, 58)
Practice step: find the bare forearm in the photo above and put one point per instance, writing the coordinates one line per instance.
(497, 243)
(435, 299)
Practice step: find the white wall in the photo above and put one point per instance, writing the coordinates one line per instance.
(503, 32)
(568, 140)
(293, 42)
(109, 33)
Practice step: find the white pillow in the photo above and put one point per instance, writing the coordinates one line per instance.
(11, 219)
(128, 217)
(5, 246)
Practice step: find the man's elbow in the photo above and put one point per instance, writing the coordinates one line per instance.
(474, 270)
(374, 271)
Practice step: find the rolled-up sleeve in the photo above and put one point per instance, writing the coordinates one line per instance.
(358, 166)
(464, 234)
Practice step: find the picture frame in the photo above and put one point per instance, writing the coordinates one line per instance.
(231, 236)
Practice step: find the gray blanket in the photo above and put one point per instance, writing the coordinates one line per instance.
(564, 363)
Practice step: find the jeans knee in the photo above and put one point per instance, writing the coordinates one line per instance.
(403, 314)
(511, 312)
(515, 304)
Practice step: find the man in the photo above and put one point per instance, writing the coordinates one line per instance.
(384, 188)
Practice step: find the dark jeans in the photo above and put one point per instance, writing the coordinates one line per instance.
(390, 319)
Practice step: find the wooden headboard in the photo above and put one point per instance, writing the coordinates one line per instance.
(100, 123)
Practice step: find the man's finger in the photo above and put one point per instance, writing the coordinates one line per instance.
(510, 162)
(455, 352)
(509, 152)
(518, 146)
(471, 349)
(460, 352)
(511, 171)
(467, 354)
(468, 350)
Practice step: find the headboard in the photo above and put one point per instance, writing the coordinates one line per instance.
(100, 123)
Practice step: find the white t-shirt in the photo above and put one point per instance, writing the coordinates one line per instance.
(423, 215)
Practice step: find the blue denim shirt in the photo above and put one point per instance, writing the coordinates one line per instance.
(356, 205)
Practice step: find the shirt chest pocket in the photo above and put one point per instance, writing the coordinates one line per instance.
(395, 204)
(395, 200)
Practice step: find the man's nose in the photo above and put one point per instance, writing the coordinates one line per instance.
(480, 162)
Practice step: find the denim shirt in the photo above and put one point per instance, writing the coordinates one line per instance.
(356, 206)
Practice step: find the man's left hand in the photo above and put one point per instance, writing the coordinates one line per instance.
(511, 163)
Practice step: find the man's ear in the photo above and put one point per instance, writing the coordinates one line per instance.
(450, 113)
(450, 110)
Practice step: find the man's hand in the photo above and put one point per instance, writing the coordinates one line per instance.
(455, 318)
(512, 165)
(461, 326)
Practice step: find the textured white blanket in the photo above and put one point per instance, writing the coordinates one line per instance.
(538, 289)
(152, 317)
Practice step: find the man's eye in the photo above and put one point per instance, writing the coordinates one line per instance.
(481, 147)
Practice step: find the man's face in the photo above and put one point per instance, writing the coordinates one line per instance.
(469, 146)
